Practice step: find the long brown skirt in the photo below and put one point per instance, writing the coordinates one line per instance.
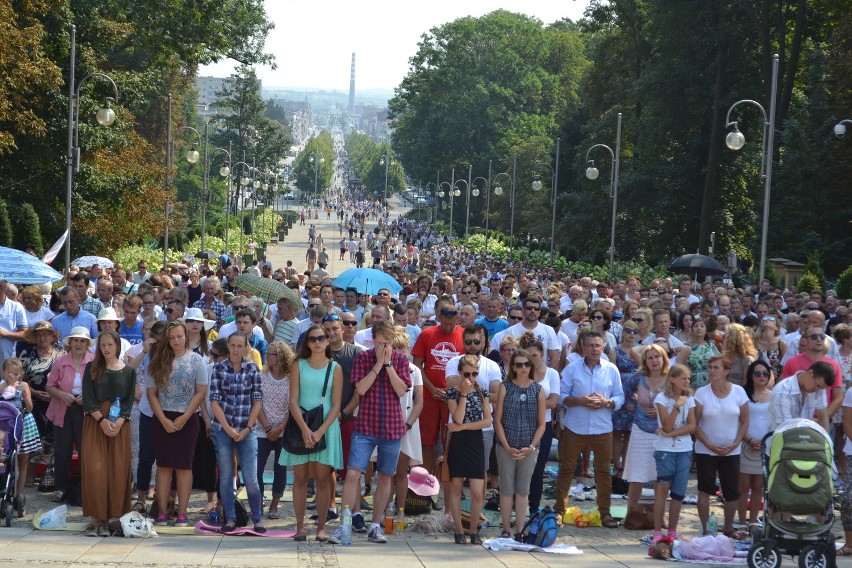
(105, 470)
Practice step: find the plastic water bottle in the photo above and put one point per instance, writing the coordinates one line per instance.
(114, 410)
(19, 399)
(712, 525)
(346, 527)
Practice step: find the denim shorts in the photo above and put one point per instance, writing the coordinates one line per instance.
(673, 468)
(362, 448)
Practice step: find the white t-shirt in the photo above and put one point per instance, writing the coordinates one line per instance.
(570, 328)
(365, 337)
(543, 333)
(678, 443)
(720, 418)
(489, 372)
(550, 385)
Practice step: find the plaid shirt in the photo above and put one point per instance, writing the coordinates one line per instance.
(379, 413)
(92, 305)
(235, 391)
(218, 307)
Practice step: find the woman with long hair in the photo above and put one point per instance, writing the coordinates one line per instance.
(702, 349)
(105, 463)
(471, 413)
(236, 395)
(770, 347)
(519, 419)
(65, 411)
(759, 381)
(548, 379)
(640, 390)
(739, 351)
(176, 387)
(644, 319)
(272, 419)
(721, 412)
(683, 329)
(307, 378)
(197, 327)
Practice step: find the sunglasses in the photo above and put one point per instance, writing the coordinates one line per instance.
(472, 341)
(469, 374)
(349, 322)
(522, 364)
(532, 308)
(817, 336)
(314, 305)
(170, 310)
(760, 374)
(331, 317)
(516, 318)
(449, 313)
(638, 320)
(767, 318)
(383, 294)
(598, 317)
(316, 338)
(631, 331)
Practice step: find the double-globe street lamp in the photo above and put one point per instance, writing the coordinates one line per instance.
(498, 190)
(315, 159)
(225, 172)
(735, 140)
(386, 161)
(105, 117)
(840, 127)
(592, 173)
(537, 185)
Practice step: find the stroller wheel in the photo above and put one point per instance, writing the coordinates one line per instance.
(763, 555)
(814, 556)
(10, 512)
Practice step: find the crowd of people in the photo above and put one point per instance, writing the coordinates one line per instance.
(469, 364)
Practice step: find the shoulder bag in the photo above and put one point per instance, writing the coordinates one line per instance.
(294, 443)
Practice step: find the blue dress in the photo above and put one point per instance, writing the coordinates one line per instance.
(621, 419)
(310, 396)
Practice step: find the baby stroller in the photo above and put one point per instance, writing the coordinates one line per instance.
(798, 509)
(11, 430)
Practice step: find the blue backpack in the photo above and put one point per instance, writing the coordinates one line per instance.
(541, 529)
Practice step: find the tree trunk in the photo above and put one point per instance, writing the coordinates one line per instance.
(711, 181)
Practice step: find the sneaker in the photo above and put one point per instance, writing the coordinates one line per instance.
(334, 538)
(181, 521)
(162, 520)
(358, 524)
(376, 536)
(581, 496)
(591, 495)
(331, 516)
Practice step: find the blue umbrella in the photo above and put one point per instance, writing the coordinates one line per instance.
(88, 261)
(19, 267)
(367, 281)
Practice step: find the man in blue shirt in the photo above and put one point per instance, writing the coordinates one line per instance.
(73, 316)
(493, 321)
(131, 326)
(589, 391)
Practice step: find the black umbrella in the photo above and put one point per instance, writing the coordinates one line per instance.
(207, 254)
(697, 264)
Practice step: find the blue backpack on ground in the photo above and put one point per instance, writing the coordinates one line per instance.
(541, 529)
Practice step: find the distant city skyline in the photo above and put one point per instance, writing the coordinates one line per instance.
(313, 49)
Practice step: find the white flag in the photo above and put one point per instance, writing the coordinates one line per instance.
(54, 250)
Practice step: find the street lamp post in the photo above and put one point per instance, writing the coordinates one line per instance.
(498, 190)
(225, 172)
(554, 184)
(105, 117)
(593, 173)
(315, 159)
(445, 192)
(840, 127)
(475, 191)
(735, 140)
(386, 161)
(457, 193)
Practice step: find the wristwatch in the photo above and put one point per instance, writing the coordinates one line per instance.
(408, 426)
(386, 365)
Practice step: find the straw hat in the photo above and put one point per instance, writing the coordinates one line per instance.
(108, 314)
(195, 314)
(30, 335)
(78, 331)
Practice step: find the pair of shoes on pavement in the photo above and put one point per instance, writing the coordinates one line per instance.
(375, 535)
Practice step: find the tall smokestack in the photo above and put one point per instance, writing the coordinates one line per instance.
(352, 88)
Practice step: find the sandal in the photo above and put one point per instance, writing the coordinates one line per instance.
(845, 550)
(609, 522)
(300, 538)
(474, 539)
(505, 534)
(735, 534)
(460, 539)
(273, 514)
(227, 528)
(207, 509)
(139, 507)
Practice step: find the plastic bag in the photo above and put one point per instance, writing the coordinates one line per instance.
(54, 519)
(570, 515)
(589, 519)
(135, 525)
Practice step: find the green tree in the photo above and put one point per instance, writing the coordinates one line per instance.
(321, 149)
(5, 226)
(27, 231)
(809, 282)
(844, 283)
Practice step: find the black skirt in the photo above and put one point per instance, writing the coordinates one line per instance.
(467, 455)
(175, 450)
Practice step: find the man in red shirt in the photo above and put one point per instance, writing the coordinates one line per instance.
(813, 347)
(432, 351)
(381, 377)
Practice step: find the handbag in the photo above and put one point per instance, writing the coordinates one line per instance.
(640, 517)
(444, 467)
(294, 443)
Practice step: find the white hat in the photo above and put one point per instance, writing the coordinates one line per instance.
(78, 331)
(108, 314)
(195, 314)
